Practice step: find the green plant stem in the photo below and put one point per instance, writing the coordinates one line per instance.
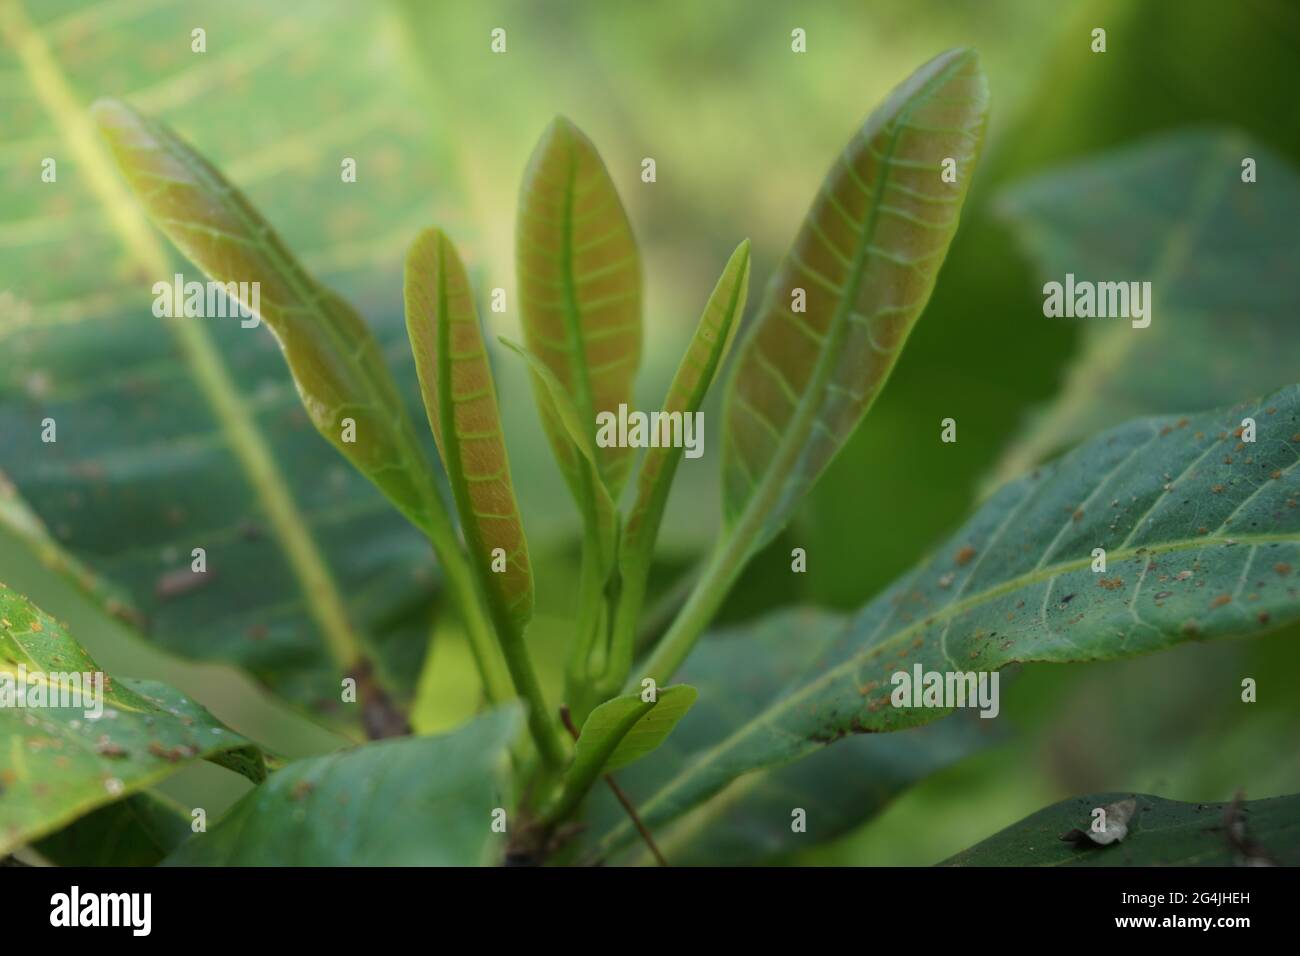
(590, 592)
(711, 588)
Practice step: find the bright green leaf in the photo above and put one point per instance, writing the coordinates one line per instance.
(579, 290)
(58, 763)
(460, 398)
(843, 301)
(410, 801)
(1160, 833)
(1174, 212)
(625, 729)
(1202, 540)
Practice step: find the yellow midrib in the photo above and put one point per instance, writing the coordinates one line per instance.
(288, 527)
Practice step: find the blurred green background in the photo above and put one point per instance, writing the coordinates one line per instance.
(742, 131)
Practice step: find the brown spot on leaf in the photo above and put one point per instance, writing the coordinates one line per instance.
(964, 554)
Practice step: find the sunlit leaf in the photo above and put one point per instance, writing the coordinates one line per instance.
(863, 266)
(1202, 539)
(579, 288)
(1173, 212)
(460, 398)
(60, 762)
(1160, 833)
(411, 801)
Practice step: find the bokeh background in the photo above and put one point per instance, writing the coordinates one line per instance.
(742, 131)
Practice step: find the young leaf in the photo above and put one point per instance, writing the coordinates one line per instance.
(332, 355)
(1172, 211)
(865, 261)
(58, 762)
(410, 801)
(138, 831)
(460, 398)
(698, 368)
(1202, 540)
(836, 315)
(617, 733)
(335, 362)
(625, 729)
(749, 823)
(581, 449)
(1160, 833)
(579, 289)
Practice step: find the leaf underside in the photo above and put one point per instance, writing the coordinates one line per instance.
(138, 831)
(1202, 534)
(866, 258)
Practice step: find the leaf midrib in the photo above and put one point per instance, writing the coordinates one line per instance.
(954, 609)
(775, 479)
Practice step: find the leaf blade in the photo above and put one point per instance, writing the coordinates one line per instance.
(331, 354)
(698, 369)
(650, 724)
(1164, 833)
(58, 768)
(591, 489)
(460, 398)
(354, 807)
(928, 619)
(579, 286)
(796, 391)
(1170, 210)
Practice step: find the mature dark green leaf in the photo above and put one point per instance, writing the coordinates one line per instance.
(1202, 534)
(411, 801)
(1218, 253)
(1161, 833)
(865, 260)
(147, 466)
(138, 831)
(60, 762)
(579, 289)
(461, 402)
(740, 672)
